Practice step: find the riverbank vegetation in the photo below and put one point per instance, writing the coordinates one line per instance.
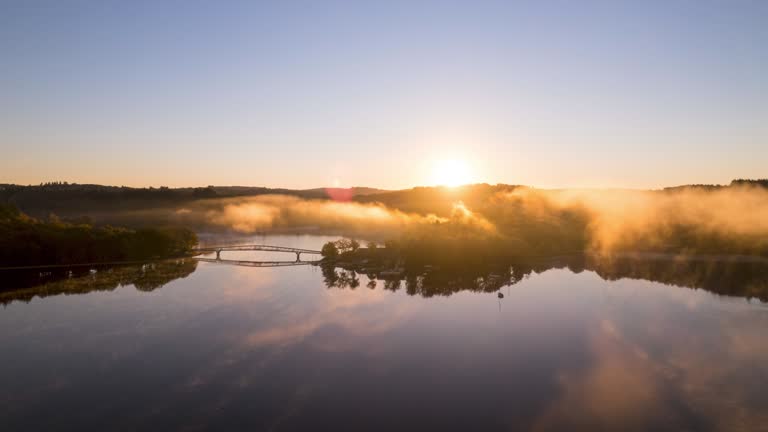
(523, 223)
(28, 241)
(484, 223)
(450, 225)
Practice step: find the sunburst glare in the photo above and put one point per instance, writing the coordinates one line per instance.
(451, 172)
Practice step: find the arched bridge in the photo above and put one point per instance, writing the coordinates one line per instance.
(262, 248)
(255, 263)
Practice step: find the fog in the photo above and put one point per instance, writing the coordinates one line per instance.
(712, 220)
(620, 219)
(263, 213)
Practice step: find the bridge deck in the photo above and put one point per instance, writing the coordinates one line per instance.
(264, 248)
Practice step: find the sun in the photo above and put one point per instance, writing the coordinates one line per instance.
(450, 172)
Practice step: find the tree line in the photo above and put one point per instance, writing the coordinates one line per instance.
(29, 241)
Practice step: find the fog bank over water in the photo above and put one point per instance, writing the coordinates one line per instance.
(264, 213)
(708, 219)
(722, 220)
(619, 219)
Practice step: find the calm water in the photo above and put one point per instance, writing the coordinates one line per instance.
(188, 345)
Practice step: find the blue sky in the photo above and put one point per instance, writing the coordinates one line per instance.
(306, 94)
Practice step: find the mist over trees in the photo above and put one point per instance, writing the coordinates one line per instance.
(459, 224)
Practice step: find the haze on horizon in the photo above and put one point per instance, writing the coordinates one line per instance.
(390, 95)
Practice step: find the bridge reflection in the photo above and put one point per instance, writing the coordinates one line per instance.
(244, 263)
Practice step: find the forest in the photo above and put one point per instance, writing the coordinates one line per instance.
(477, 223)
(26, 241)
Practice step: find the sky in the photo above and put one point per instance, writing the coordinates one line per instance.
(308, 94)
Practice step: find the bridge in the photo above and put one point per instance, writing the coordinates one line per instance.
(261, 248)
(255, 263)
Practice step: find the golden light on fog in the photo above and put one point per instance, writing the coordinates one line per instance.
(451, 172)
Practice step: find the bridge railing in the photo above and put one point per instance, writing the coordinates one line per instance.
(264, 248)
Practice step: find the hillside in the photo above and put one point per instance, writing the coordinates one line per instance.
(72, 199)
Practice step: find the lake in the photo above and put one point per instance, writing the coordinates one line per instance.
(635, 344)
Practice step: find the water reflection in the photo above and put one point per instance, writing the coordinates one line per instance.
(734, 276)
(306, 347)
(26, 285)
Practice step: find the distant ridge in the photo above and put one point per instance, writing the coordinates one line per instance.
(734, 183)
(62, 197)
(67, 198)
